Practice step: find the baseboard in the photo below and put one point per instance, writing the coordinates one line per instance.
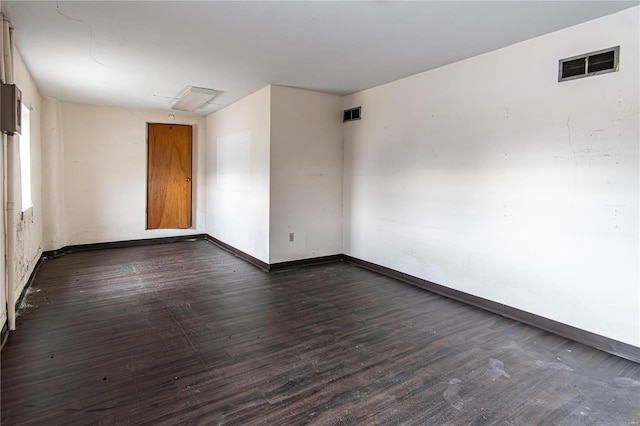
(305, 262)
(120, 244)
(239, 253)
(603, 343)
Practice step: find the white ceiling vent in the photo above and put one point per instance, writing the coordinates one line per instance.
(594, 63)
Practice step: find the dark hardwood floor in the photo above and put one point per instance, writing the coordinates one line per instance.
(186, 333)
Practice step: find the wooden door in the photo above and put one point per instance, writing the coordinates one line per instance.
(169, 176)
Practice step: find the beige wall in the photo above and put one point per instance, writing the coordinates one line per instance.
(53, 190)
(274, 166)
(238, 143)
(24, 230)
(28, 225)
(97, 161)
(306, 174)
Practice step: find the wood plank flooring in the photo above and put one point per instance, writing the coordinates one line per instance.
(186, 333)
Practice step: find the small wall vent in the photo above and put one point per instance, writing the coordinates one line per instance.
(351, 114)
(594, 63)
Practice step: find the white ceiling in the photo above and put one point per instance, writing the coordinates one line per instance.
(143, 54)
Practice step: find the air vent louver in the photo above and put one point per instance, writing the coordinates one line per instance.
(351, 114)
(594, 63)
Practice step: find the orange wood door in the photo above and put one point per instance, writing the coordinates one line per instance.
(169, 176)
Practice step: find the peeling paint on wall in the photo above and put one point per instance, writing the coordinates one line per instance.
(27, 251)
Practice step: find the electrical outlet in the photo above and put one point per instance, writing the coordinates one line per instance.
(291, 236)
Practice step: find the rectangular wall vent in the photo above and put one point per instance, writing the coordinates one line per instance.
(594, 63)
(351, 114)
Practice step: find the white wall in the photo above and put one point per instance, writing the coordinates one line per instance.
(24, 230)
(306, 174)
(490, 177)
(53, 188)
(238, 139)
(99, 158)
(28, 230)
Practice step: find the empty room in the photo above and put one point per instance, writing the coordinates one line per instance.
(358, 213)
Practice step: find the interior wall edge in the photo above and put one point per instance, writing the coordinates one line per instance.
(238, 253)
